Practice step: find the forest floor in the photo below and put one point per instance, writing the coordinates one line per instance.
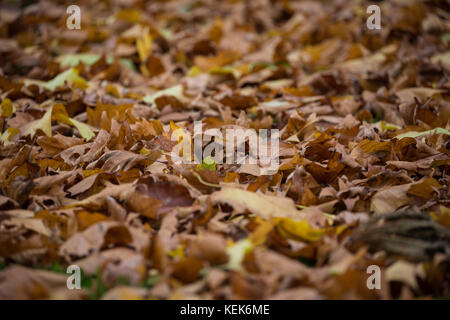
(92, 173)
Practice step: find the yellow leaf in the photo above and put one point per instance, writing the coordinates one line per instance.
(405, 272)
(226, 70)
(7, 108)
(299, 230)
(177, 253)
(264, 206)
(173, 126)
(194, 71)
(58, 113)
(375, 147)
(424, 188)
(36, 225)
(8, 134)
(389, 126)
(69, 76)
(237, 252)
(129, 15)
(390, 198)
(87, 219)
(144, 45)
(409, 95)
(44, 124)
(83, 128)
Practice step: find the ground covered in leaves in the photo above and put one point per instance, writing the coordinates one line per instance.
(87, 175)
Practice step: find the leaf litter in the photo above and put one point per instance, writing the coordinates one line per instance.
(88, 177)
